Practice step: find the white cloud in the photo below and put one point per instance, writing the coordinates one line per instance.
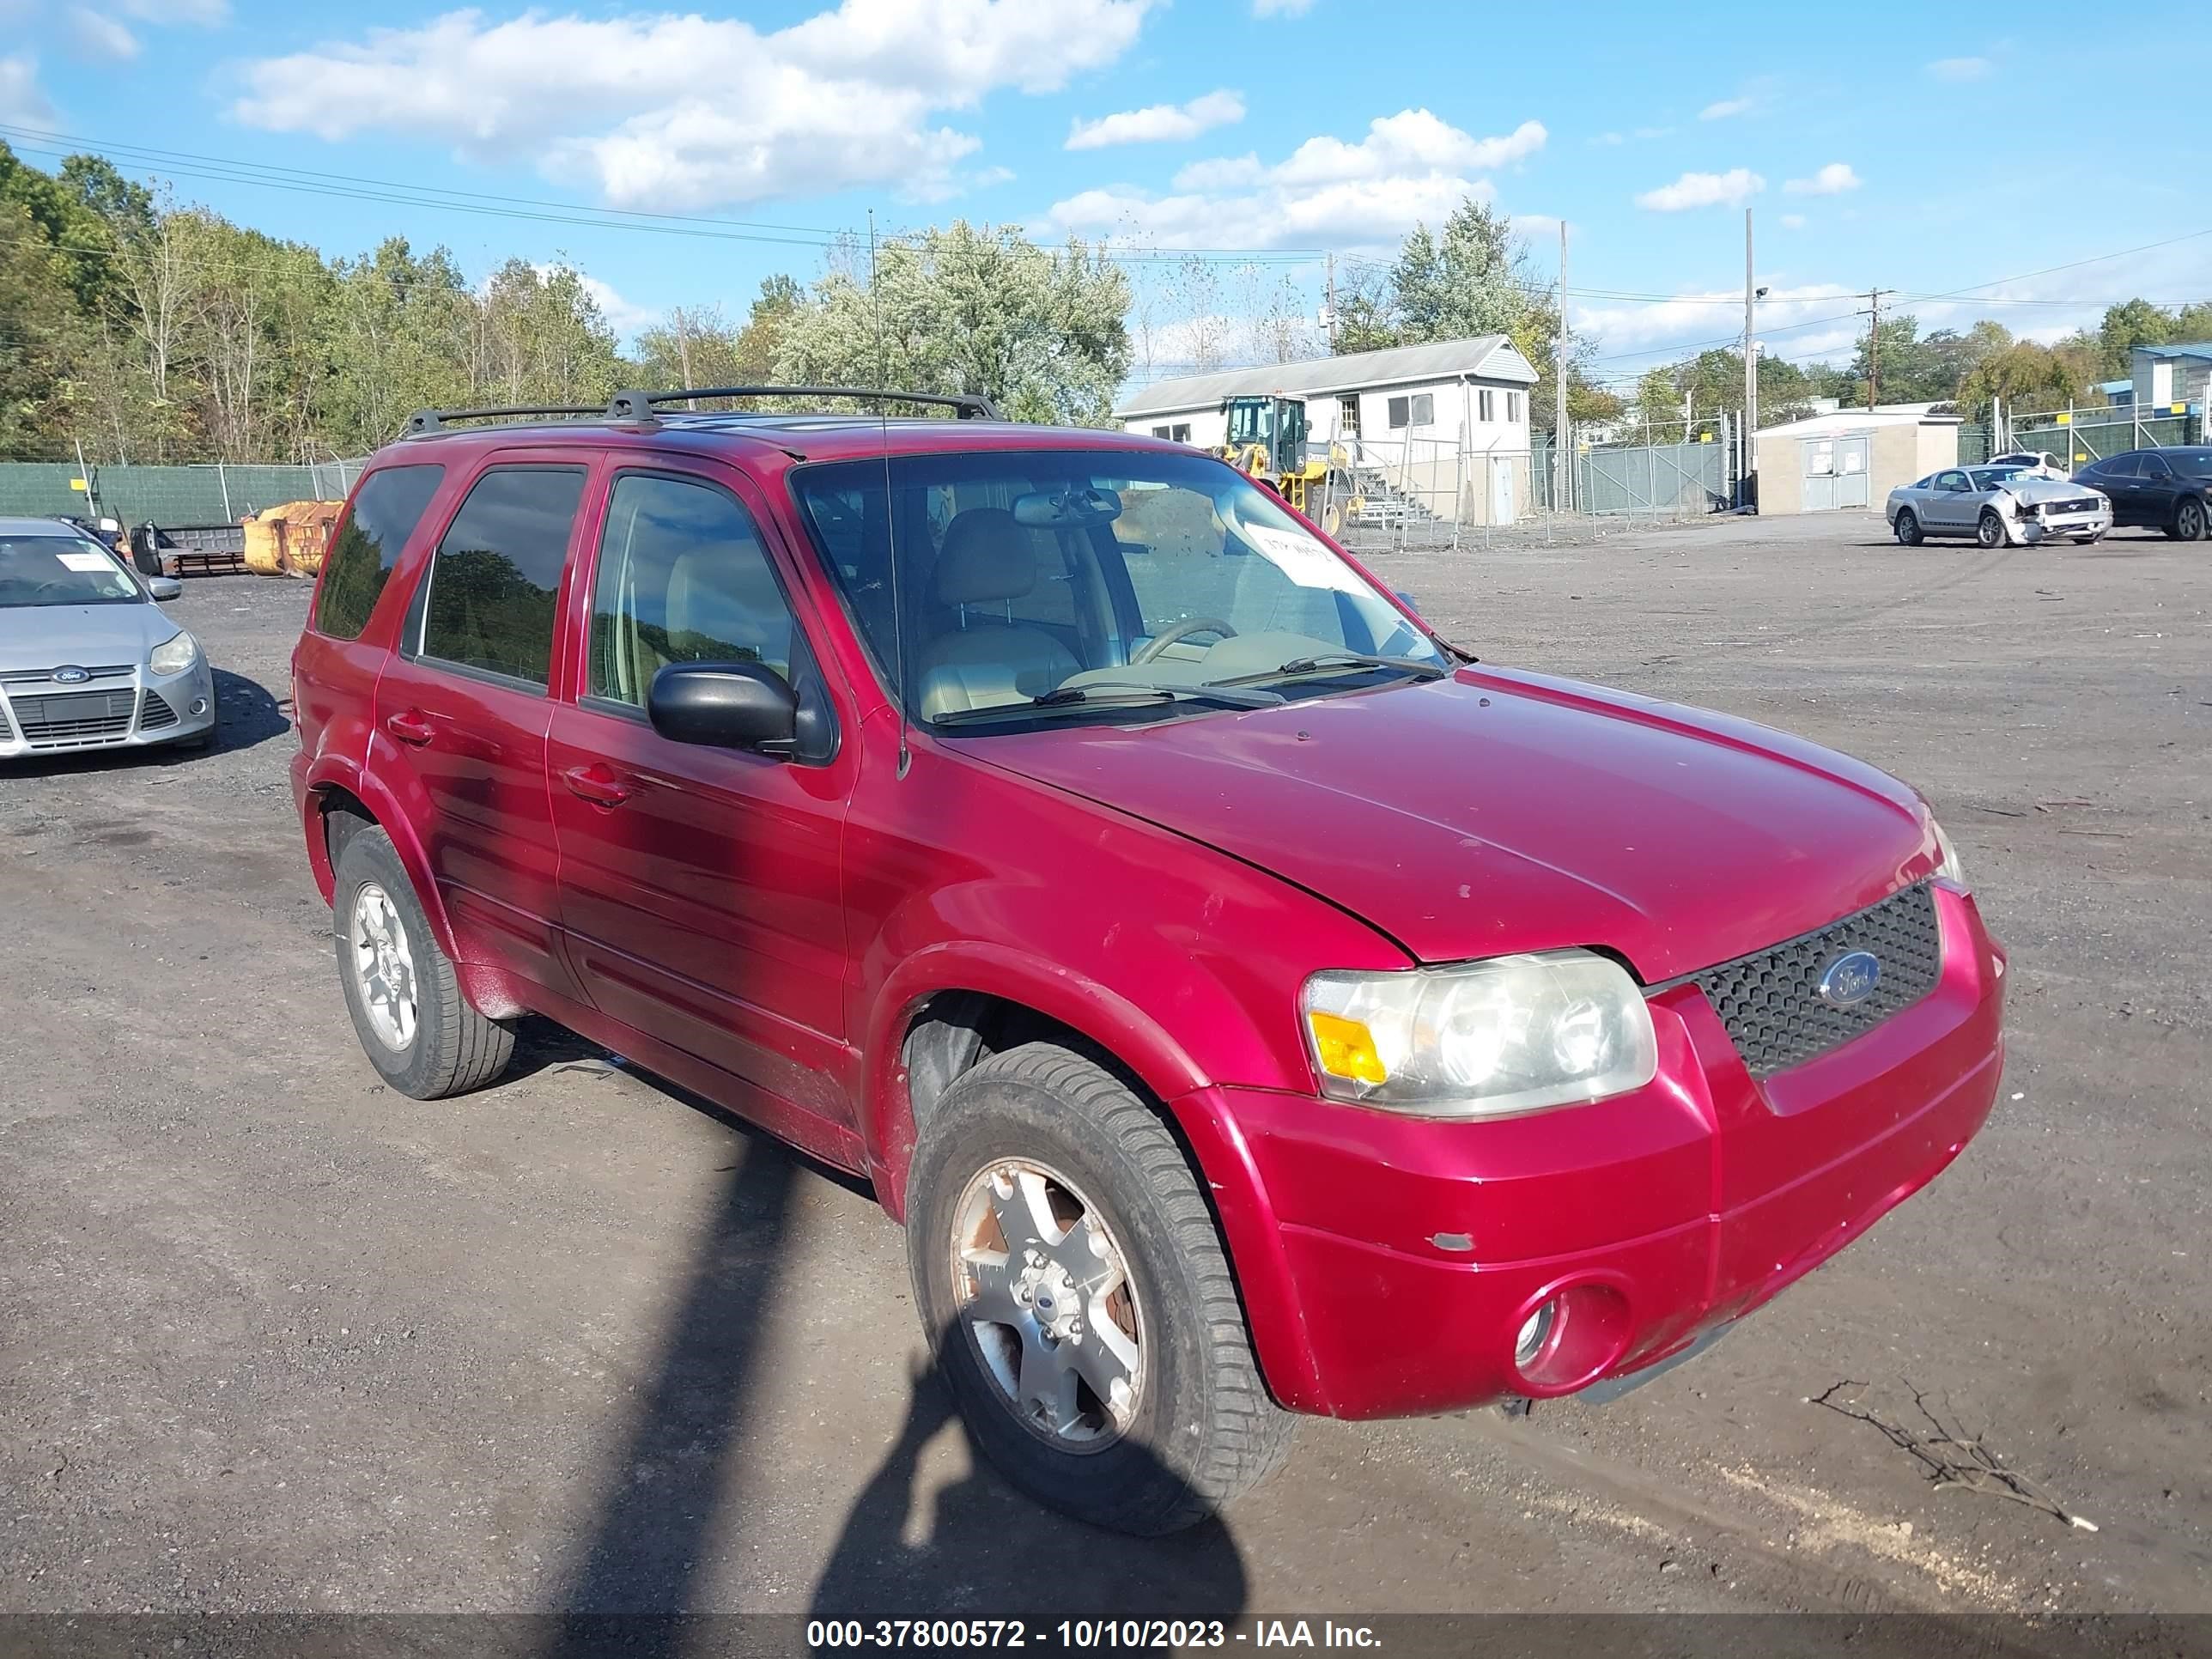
(1410, 166)
(1158, 123)
(683, 113)
(625, 316)
(99, 37)
(1697, 190)
(1961, 69)
(1725, 108)
(21, 103)
(1281, 7)
(1832, 179)
(1793, 221)
(1608, 139)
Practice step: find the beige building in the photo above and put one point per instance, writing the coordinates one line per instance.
(1851, 460)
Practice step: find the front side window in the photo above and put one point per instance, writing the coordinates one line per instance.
(2153, 466)
(53, 570)
(495, 580)
(1113, 574)
(387, 507)
(682, 577)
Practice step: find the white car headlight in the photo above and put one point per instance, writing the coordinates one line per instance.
(1483, 1039)
(1947, 867)
(173, 655)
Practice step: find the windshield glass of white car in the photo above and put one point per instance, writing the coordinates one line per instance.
(58, 570)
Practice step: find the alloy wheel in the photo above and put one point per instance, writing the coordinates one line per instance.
(384, 966)
(1045, 1292)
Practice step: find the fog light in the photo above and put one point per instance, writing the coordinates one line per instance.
(1537, 1327)
(199, 707)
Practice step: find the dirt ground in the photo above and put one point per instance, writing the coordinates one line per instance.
(274, 1337)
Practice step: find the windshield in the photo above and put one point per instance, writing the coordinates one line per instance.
(1109, 573)
(1989, 478)
(38, 570)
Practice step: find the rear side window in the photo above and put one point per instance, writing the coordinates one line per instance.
(496, 579)
(386, 508)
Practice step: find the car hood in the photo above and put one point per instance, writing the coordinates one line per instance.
(1497, 812)
(89, 635)
(2032, 490)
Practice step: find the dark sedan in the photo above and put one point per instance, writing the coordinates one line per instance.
(2158, 489)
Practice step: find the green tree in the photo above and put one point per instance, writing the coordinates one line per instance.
(2028, 377)
(36, 314)
(2127, 326)
(970, 309)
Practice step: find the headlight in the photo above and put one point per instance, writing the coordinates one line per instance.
(1515, 1034)
(174, 655)
(1947, 867)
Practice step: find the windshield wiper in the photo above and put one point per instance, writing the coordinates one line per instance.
(1321, 662)
(1113, 693)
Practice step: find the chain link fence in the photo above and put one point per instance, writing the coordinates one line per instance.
(216, 493)
(2079, 437)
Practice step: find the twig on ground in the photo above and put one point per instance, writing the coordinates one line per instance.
(1952, 1461)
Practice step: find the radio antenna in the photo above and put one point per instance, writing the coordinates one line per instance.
(891, 510)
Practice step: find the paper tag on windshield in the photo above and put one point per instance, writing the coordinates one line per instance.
(1301, 558)
(88, 564)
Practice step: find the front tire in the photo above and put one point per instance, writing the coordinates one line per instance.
(1908, 528)
(405, 998)
(1076, 1292)
(2188, 521)
(1990, 531)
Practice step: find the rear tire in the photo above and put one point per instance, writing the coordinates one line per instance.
(1990, 531)
(1186, 1424)
(1908, 528)
(405, 998)
(2188, 521)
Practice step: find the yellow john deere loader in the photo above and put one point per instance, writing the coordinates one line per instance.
(1267, 440)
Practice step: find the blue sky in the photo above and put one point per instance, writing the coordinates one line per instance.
(1889, 145)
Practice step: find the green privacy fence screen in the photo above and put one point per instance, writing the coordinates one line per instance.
(214, 494)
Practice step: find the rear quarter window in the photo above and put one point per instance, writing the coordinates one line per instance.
(387, 507)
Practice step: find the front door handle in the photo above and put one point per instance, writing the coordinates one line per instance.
(410, 727)
(597, 784)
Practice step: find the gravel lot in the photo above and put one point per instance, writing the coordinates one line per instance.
(276, 1338)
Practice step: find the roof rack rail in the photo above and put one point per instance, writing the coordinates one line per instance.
(639, 406)
(434, 420)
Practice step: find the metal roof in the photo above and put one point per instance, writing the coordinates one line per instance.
(1487, 357)
(2198, 349)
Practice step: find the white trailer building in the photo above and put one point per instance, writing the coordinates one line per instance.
(1446, 424)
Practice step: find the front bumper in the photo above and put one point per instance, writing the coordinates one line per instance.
(134, 709)
(1415, 1251)
(2062, 526)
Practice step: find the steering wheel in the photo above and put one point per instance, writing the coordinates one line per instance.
(1181, 631)
(66, 589)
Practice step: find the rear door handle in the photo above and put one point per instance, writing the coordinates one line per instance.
(409, 726)
(597, 784)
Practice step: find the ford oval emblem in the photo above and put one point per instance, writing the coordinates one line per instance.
(71, 675)
(1849, 979)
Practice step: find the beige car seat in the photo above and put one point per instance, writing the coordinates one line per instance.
(982, 660)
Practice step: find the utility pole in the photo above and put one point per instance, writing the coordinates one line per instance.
(1562, 452)
(1873, 312)
(1750, 359)
(1331, 303)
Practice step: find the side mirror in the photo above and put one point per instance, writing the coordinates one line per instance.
(725, 705)
(165, 588)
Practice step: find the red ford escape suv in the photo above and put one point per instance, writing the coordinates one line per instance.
(1249, 1003)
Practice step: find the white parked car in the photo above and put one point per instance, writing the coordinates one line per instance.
(2001, 505)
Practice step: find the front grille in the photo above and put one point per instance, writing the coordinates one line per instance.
(156, 713)
(81, 717)
(2083, 504)
(1770, 1003)
(41, 678)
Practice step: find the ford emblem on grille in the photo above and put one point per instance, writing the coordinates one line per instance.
(71, 675)
(1849, 979)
